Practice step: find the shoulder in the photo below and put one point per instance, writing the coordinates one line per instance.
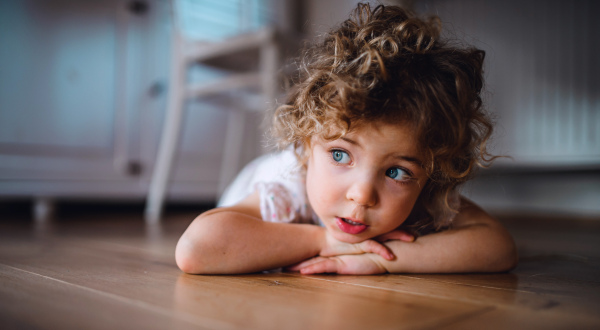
(470, 214)
(273, 184)
(279, 166)
(272, 167)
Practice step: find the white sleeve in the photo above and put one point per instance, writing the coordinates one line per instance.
(279, 180)
(276, 203)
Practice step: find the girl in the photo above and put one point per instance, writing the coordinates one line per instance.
(383, 125)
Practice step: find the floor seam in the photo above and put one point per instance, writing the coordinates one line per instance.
(399, 291)
(185, 316)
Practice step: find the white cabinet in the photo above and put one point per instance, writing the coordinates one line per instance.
(82, 98)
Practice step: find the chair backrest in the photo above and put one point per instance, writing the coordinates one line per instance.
(214, 20)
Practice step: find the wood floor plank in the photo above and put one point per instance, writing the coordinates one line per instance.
(573, 308)
(552, 274)
(29, 300)
(249, 301)
(98, 272)
(320, 305)
(510, 318)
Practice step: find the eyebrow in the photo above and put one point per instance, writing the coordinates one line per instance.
(410, 159)
(413, 160)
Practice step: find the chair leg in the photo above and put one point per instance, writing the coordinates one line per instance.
(164, 161)
(269, 63)
(169, 140)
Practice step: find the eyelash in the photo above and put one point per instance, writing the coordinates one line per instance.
(405, 170)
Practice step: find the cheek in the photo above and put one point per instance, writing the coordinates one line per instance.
(319, 187)
(401, 206)
(404, 207)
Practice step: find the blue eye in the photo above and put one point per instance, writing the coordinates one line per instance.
(340, 156)
(397, 174)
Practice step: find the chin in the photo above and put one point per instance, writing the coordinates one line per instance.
(349, 238)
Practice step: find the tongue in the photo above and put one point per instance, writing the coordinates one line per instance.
(350, 228)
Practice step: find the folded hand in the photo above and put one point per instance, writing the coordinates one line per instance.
(346, 258)
(359, 264)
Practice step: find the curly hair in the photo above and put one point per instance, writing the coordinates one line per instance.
(386, 64)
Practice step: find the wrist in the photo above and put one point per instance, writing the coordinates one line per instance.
(379, 262)
(321, 239)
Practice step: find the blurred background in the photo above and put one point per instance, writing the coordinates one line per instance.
(84, 88)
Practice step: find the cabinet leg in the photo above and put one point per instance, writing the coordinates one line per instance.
(43, 209)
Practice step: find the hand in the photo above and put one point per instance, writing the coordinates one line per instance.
(359, 259)
(333, 247)
(397, 234)
(363, 264)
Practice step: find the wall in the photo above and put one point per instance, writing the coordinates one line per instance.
(543, 87)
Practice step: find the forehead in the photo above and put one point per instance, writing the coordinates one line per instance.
(384, 132)
(385, 138)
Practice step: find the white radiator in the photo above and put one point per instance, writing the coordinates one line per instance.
(542, 74)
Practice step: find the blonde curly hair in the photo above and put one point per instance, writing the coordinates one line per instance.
(386, 64)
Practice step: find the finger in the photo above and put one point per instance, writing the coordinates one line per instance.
(292, 268)
(305, 263)
(396, 235)
(371, 246)
(325, 265)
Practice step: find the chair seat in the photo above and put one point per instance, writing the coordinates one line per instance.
(230, 82)
(203, 51)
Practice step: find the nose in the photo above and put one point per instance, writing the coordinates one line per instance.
(362, 192)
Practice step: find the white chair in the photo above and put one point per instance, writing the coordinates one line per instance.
(186, 52)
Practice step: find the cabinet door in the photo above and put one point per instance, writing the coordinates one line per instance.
(83, 88)
(70, 96)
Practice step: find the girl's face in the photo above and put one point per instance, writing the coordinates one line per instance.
(366, 183)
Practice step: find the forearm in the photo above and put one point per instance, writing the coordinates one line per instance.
(229, 242)
(476, 248)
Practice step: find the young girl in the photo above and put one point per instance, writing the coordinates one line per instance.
(384, 124)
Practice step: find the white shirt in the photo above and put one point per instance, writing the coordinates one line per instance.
(281, 184)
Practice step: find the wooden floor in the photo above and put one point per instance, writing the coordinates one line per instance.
(98, 269)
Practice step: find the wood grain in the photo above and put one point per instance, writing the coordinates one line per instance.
(247, 301)
(100, 272)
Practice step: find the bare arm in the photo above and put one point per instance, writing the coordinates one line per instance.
(235, 240)
(475, 243)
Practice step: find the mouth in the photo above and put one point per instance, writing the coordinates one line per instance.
(350, 226)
